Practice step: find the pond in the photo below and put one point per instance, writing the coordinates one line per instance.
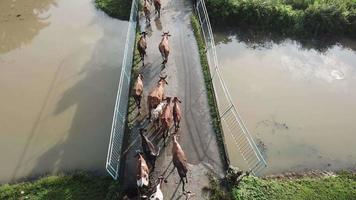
(60, 63)
(297, 98)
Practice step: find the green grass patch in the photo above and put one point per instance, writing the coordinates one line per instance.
(302, 18)
(136, 66)
(77, 186)
(209, 87)
(115, 8)
(341, 187)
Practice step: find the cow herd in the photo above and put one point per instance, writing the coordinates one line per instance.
(163, 112)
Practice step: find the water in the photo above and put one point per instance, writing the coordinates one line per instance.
(298, 99)
(59, 67)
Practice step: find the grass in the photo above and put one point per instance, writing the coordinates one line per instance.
(341, 187)
(209, 87)
(119, 9)
(136, 66)
(303, 18)
(77, 186)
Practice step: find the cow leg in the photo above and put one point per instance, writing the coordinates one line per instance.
(139, 102)
(143, 59)
(183, 185)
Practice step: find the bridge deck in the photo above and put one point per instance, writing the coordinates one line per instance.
(185, 80)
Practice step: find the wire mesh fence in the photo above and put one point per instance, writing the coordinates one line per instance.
(122, 98)
(231, 121)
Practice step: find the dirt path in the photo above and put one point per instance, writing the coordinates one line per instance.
(185, 80)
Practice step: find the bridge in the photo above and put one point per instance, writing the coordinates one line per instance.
(185, 80)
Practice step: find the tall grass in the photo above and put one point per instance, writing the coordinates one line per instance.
(290, 17)
(115, 8)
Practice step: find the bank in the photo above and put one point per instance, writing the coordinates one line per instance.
(76, 185)
(297, 18)
(294, 186)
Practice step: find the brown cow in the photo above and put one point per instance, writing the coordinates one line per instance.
(180, 161)
(142, 176)
(157, 4)
(142, 46)
(138, 91)
(166, 119)
(177, 114)
(146, 10)
(151, 151)
(156, 96)
(164, 47)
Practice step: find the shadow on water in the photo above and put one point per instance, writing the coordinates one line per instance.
(93, 97)
(257, 39)
(29, 15)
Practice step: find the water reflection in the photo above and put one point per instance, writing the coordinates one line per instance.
(297, 98)
(260, 39)
(21, 21)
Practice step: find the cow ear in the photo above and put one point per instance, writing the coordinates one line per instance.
(179, 101)
(169, 35)
(166, 82)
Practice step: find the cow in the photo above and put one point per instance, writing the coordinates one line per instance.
(158, 195)
(156, 96)
(156, 114)
(146, 10)
(157, 4)
(150, 150)
(142, 176)
(138, 91)
(164, 47)
(180, 161)
(166, 119)
(142, 46)
(177, 114)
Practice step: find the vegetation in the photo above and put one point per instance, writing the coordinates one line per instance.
(76, 186)
(342, 187)
(209, 86)
(136, 66)
(115, 8)
(304, 18)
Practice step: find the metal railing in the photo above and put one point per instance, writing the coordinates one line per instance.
(120, 111)
(230, 119)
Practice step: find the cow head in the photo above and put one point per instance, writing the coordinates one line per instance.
(140, 76)
(166, 35)
(168, 99)
(143, 33)
(162, 80)
(138, 154)
(175, 99)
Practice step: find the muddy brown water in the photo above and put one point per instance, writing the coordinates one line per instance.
(298, 99)
(60, 62)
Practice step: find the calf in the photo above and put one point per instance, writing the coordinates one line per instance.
(142, 46)
(156, 114)
(180, 161)
(142, 176)
(164, 47)
(138, 91)
(158, 195)
(146, 10)
(177, 114)
(166, 119)
(156, 96)
(157, 4)
(150, 150)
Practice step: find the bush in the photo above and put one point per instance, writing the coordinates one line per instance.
(291, 17)
(115, 8)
